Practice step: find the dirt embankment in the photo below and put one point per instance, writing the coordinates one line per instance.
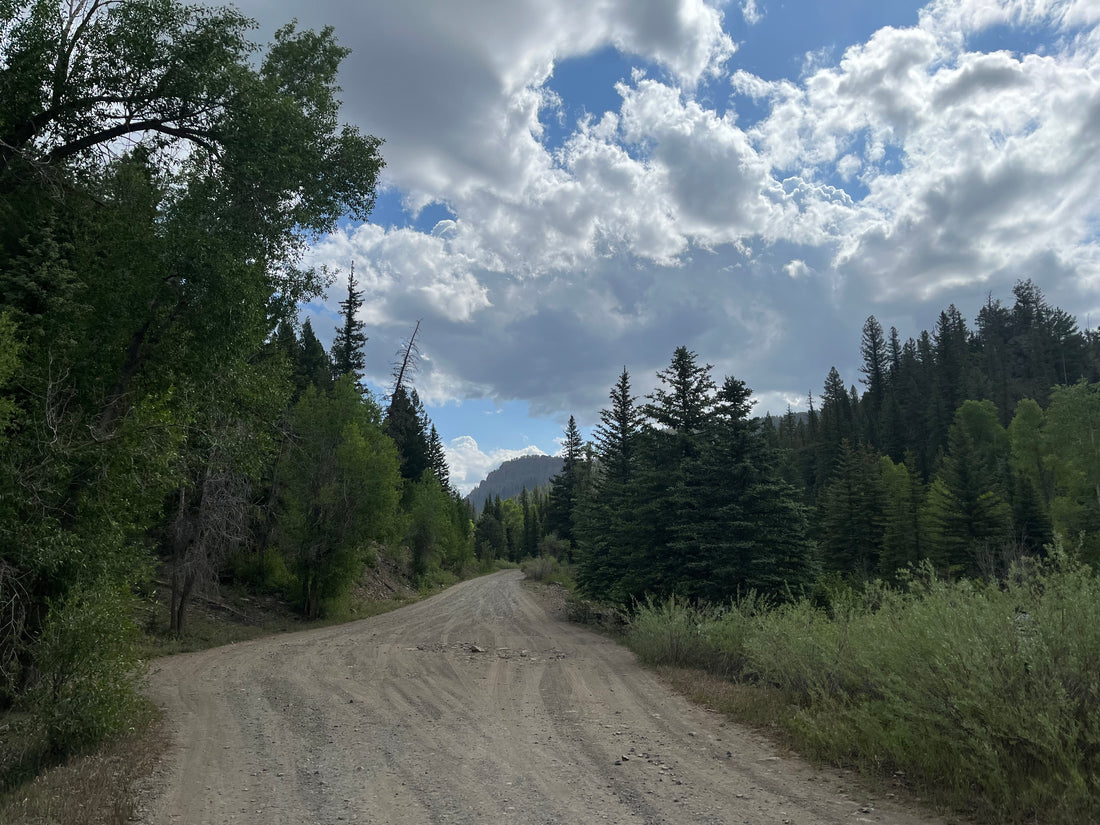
(474, 706)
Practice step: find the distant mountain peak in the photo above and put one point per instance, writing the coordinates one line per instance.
(509, 479)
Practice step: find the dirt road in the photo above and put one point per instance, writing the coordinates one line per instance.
(474, 706)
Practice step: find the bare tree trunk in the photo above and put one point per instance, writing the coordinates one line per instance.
(179, 606)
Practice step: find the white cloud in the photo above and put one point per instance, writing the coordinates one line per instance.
(469, 464)
(912, 169)
(751, 12)
(797, 269)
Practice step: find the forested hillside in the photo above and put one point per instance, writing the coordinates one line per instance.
(513, 477)
(968, 447)
(160, 408)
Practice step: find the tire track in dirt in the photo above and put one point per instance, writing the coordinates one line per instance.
(474, 706)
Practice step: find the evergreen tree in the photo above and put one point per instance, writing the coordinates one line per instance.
(437, 459)
(347, 347)
(968, 514)
(875, 370)
(951, 341)
(851, 513)
(314, 366)
(605, 533)
(746, 530)
(405, 425)
(835, 425)
(677, 413)
(565, 486)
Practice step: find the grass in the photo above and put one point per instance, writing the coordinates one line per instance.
(100, 787)
(985, 697)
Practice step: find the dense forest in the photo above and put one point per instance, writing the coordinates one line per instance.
(970, 448)
(162, 414)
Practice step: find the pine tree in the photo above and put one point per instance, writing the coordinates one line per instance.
(835, 425)
(747, 529)
(677, 414)
(967, 511)
(347, 348)
(903, 533)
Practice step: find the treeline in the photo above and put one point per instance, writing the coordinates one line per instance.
(968, 448)
(159, 180)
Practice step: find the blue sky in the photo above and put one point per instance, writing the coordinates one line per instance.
(572, 188)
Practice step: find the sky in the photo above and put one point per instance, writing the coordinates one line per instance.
(572, 188)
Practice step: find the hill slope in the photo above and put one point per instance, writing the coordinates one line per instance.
(509, 479)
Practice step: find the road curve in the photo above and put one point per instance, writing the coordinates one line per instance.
(473, 706)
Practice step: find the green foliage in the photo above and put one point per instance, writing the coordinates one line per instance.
(347, 347)
(712, 638)
(903, 539)
(983, 696)
(438, 531)
(550, 570)
(405, 424)
(852, 513)
(145, 287)
(340, 489)
(688, 497)
(10, 349)
(85, 661)
(1072, 436)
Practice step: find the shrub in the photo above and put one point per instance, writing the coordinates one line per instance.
(86, 669)
(984, 695)
(540, 568)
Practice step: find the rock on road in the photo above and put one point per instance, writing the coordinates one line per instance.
(473, 706)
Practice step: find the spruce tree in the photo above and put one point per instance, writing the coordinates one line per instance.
(564, 487)
(347, 348)
(851, 513)
(749, 530)
(405, 425)
(604, 530)
(903, 499)
(967, 510)
(874, 370)
(437, 459)
(678, 412)
(314, 365)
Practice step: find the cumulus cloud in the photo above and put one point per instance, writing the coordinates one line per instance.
(469, 464)
(915, 168)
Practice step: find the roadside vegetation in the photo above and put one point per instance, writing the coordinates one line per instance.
(979, 697)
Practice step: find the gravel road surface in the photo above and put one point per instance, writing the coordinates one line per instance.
(473, 706)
